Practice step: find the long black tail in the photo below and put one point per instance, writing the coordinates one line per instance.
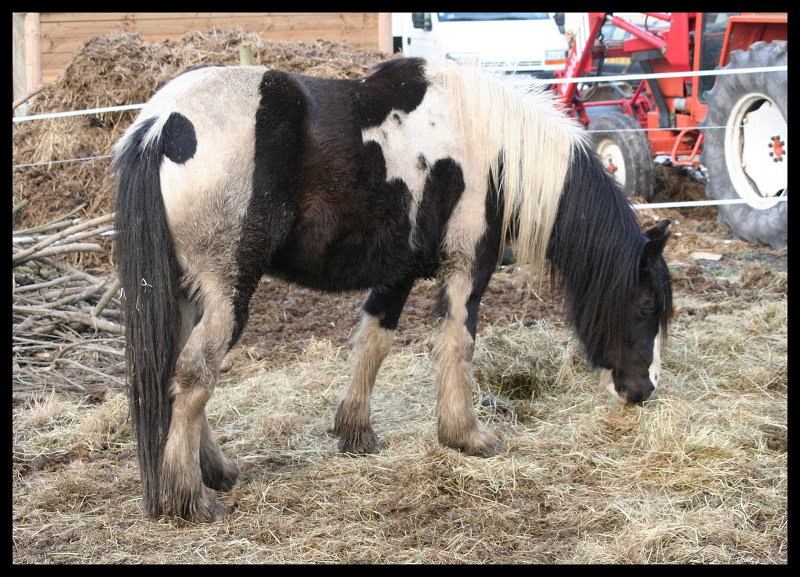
(150, 277)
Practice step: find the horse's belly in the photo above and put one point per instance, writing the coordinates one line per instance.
(340, 254)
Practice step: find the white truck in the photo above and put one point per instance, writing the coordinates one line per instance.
(514, 42)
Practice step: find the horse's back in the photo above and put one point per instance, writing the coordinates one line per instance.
(335, 184)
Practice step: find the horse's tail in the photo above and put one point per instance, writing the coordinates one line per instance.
(149, 274)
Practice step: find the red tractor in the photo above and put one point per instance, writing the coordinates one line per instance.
(733, 124)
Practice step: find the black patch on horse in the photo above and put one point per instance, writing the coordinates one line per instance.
(486, 257)
(314, 177)
(321, 250)
(387, 305)
(344, 181)
(178, 138)
(394, 85)
(486, 253)
(279, 145)
(440, 195)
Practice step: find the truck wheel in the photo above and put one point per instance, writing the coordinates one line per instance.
(626, 155)
(747, 159)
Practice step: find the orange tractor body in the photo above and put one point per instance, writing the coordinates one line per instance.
(693, 119)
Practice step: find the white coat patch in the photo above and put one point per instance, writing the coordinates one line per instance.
(404, 137)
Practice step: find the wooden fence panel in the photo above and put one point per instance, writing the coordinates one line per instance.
(62, 33)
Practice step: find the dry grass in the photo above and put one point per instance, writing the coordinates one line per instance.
(696, 475)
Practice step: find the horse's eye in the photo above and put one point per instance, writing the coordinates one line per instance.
(646, 310)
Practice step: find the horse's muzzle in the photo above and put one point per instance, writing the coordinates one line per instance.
(626, 390)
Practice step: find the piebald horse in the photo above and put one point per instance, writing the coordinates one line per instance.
(420, 170)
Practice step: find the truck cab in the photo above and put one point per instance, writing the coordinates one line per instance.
(512, 42)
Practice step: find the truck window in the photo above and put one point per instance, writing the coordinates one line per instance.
(481, 16)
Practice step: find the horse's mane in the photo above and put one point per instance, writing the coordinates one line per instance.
(514, 132)
(595, 253)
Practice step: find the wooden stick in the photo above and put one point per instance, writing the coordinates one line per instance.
(41, 285)
(106, 298)
(42, 228)
(22, 255)
(69, 299)
(245, 55)
(68, 269)
(19, 240)
(20, 101)
(33, 49)
(53, 222)
(94, 322)
(91, 370)
(88, 347)
(61, 292)
(63, 249)
(46, 329)
(70, 381)
(19, 205)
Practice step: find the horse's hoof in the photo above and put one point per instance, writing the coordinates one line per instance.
(220, 511)
(212, 509)
(207, 509)
(480, 441)
(499, 449)
(361, 445)
(484, 451)
(508, 256)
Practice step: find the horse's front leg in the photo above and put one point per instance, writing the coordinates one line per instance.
(464, 276)
(458, 425)
(371, 344)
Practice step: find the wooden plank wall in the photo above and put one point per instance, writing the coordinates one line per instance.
(62, 33)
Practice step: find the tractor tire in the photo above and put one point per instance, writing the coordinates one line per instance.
(626, 155)
(746, 160)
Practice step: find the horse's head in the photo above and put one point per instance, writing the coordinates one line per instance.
(631, 375)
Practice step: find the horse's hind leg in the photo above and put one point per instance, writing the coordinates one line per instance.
(371, 345)
(192, 458)
(219, 472)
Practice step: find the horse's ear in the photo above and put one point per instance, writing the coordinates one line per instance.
(657, 239)
(659, 229)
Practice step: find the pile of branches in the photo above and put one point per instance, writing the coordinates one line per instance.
(67, 324)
